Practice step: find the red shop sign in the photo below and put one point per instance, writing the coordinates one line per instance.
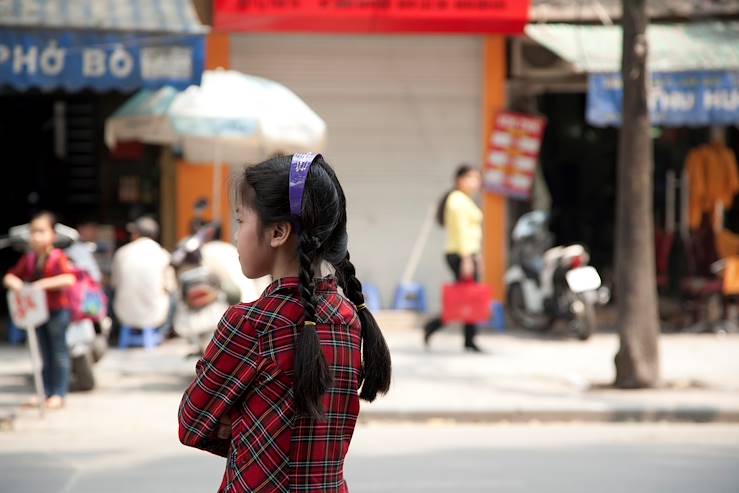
(373, 16)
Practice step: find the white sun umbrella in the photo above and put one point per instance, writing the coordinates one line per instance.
(143, 118)
(230, 118)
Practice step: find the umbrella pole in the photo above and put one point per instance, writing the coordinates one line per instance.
(217, 181)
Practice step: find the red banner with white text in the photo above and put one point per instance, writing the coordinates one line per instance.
(513, 154)
(373, 16)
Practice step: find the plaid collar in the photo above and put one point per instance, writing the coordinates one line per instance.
(322, 285)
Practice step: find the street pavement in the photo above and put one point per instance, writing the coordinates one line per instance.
(522, 377)
(518, 378)
(122, 437)
(397, 458)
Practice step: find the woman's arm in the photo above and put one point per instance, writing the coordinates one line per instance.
(224, 373)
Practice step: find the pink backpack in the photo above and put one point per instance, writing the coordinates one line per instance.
(87, 300)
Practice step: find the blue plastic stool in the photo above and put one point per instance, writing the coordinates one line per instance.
(497, 321)
(146, 338)
(15, 335)
(372, 297)
(410, 296)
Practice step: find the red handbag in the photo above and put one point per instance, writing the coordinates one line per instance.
(466, 302)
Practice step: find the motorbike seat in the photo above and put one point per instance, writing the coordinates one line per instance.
(531, 271)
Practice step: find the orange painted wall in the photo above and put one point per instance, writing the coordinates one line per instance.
(495, 207)
(195, 181)
(217, 50)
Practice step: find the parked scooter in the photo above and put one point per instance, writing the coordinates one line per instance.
(549, 284)
(203, 295)
(89, 331)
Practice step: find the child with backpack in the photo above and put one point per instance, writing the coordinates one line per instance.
(48, 268)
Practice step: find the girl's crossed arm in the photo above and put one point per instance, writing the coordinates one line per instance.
(223, 375)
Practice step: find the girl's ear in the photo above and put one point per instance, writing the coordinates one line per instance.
(280, 234)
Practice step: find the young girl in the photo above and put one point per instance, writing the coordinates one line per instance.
(276, 391)
(48, 268)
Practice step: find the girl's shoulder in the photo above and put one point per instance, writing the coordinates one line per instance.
(59, 261)
(271, 310)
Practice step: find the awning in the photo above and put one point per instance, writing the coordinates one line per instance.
(672, 48)
(102, 45)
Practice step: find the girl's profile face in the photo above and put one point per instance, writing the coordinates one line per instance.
(256, 256)
(42, 235)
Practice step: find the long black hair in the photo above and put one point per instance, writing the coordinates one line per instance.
(461, 171)
(322, 237)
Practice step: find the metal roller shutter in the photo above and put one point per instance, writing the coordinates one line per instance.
(402, 112)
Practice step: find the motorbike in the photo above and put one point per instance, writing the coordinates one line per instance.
(546, 284)
(203, 296)
(88, 334)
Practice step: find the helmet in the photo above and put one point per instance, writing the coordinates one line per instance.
(530, 224)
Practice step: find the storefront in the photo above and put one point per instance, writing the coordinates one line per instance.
(64, 67)
(694, 101)
(404, 103)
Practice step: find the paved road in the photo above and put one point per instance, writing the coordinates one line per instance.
(395, 458)
(122, 438)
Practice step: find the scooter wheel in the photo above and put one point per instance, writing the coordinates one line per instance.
(585, 321)
(83, 378)
(519, 314)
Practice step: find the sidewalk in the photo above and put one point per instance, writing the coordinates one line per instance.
(523, 378)
(519, 378)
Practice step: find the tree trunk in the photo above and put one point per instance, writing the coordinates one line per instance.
(637, 361)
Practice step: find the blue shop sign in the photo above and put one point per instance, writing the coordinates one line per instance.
(675, 99)
(75, 60)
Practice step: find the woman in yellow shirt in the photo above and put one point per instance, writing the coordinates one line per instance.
(462, 219)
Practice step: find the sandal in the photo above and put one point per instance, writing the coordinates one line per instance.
(54, 402)
(31, 403)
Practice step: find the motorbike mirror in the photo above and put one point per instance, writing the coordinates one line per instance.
(191, 244)
(19, 236)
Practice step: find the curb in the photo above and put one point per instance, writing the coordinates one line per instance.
(619, 415)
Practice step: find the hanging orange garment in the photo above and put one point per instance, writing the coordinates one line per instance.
(731, 276)
(713, 177)
(731, 183)
(727, 243)
(721, 176)
(695, 168)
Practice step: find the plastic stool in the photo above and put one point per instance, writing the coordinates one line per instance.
(15, 335)
(410, 296)
(146, 338)
(497, 321)
(372, 297)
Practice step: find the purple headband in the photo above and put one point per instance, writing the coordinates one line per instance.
(299, 169)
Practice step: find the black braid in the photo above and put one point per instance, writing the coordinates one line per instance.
(351, 285)
(312, 375)
(377, 365)
(305, 250)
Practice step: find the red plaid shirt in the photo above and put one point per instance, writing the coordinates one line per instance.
(247, 374)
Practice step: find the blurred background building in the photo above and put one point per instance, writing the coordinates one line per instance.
(406, 94)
